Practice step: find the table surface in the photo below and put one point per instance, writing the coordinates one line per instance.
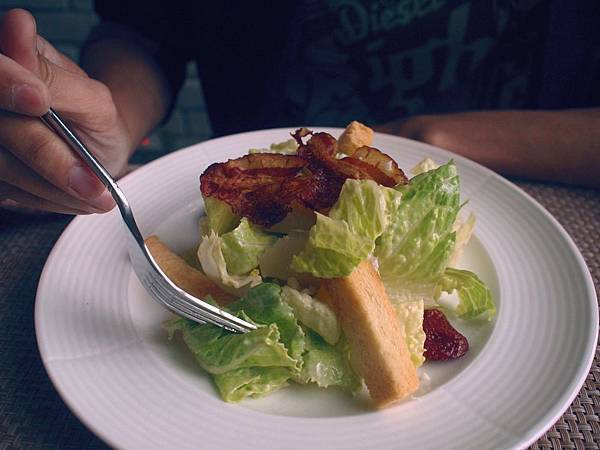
(32, 415)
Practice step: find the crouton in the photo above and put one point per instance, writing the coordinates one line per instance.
(377, 344)
(185, 276)
(355, 135)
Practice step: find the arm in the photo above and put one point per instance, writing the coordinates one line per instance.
(562, 146)
(139, 89)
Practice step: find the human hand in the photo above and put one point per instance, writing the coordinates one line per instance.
(37, 169)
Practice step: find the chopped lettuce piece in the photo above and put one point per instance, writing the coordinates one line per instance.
(338, 243)
(214, 266)
(475, 298)
(219, 217)
(410, 316)
(313, 314)
(263, 304)
(362, 206)
(288, 147)
(415, 247)
(328, 365)
(425, 165)
(242, 247)
(299, 219)
(333, 250)
(464, 231)
(218, 350)
(276, 260)
(238, 384)
(253, 363)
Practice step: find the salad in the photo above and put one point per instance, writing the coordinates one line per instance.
(338, 258)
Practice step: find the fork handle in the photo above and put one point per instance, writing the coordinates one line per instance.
(55, 122)
(58, 125)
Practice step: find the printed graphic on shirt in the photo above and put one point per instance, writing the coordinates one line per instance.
(386, 59)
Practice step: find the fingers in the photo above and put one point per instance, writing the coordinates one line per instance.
(38, 148)
(17, 174)
(20, 90)
(35, 76)
(29, 200)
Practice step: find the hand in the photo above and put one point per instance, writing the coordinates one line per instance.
(37, 169)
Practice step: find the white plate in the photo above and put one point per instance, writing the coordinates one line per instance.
(100, 338)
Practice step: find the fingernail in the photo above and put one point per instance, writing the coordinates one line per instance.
(104, 202)
(26, 99)
(83, 182)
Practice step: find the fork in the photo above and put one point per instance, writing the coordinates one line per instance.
(154, 280)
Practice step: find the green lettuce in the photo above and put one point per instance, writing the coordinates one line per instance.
(253, 363)
(414, 249)
(242, 247)
(313, 313)
(410, 317)
(338, 243)
(328, 365)
(263, 305)
(238, 384)
(212, 260)
(288, 147)
(475, 298)
(219, 217)
(276, 261)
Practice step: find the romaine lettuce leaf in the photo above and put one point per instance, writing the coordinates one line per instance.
(362, 206)
(275, 262)
(414, 249)
(288, 147)
(338, 243)
(218, 351)
(464, 230)
(219, 217)
(252, 363)
(475, 298)
(238, 384)
(214, 266)
(263, 305)
(328, 365)
(410, 317)
(313, 314)
(425, 165)
(242, 247)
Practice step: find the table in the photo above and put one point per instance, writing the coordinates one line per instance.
(33, 416)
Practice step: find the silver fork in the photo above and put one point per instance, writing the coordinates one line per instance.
(154, 280)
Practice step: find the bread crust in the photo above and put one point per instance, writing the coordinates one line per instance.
(183, 275)
(355, 135)
(377, 344)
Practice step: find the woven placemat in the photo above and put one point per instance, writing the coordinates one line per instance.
(578, 211)
(33, 416)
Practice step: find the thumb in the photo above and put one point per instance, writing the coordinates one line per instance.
(60, 82)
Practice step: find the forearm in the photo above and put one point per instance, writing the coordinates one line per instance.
(559, 146)
(139, 89)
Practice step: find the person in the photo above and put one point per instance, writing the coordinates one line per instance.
(510, 84)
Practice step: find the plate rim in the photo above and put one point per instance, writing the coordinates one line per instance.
(543, 424)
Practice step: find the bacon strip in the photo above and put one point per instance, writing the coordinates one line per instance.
(265, 186)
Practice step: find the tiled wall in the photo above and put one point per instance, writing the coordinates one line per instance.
(66, 24)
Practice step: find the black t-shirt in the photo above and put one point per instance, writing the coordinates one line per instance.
(327, 62)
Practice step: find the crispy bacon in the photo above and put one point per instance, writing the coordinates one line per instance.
(265, 186)
(376, 159)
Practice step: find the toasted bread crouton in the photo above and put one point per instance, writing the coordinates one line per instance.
(185, 276)
(377, 344)
(355, 135)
